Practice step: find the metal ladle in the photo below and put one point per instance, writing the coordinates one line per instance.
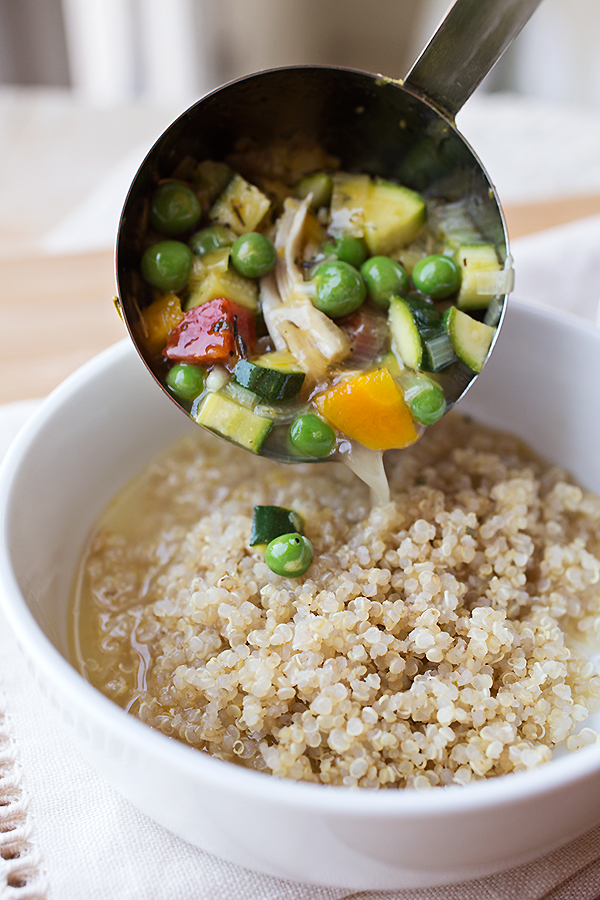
(373, 124)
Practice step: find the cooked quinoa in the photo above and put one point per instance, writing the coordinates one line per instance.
(433, 641)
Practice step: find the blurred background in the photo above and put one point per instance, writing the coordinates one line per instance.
(86, 87)
(172, 51)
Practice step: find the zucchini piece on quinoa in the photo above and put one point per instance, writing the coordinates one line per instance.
(269, 522)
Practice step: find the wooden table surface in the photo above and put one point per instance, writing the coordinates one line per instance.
(57, 312)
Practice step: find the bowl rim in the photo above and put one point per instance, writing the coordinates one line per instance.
(498, 791)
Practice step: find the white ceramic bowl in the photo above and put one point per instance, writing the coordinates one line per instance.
(89, 438)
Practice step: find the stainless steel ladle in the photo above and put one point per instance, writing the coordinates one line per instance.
(402, 131)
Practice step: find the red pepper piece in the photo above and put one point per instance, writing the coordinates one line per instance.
(217, 331)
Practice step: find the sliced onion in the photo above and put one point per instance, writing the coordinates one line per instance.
(368, 465)
(367, 334)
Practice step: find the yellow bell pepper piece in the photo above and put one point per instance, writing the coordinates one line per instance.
(159, 319)
(370, 409)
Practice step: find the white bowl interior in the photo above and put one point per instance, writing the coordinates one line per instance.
(91, 437)
(100, 428)
(542, 383)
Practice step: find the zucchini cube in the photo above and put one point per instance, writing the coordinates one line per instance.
(240, 207)
(270, 522)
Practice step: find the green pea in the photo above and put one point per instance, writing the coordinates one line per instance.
(289, 555)
(436, 276)
(167, 265)
(384, 278)
(320, 185)
(340, 289)
(312, 436)
(175, 208)
(348, 249)
(253, 255)
(216, 237)
(428, 405)
(186, 381)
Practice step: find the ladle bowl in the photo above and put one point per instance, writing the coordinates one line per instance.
(404, 132)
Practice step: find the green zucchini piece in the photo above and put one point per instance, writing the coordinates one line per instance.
(424, 312)
(406, 340)
(348, 201)
(240, 207)
(471, 339)
(230, 420)
(393, 217)
(270, 522)
(418, 334)
(477, 262)
(270, 384)
(278, 359)
(220, 281)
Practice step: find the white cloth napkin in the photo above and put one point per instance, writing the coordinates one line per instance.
(74, 838)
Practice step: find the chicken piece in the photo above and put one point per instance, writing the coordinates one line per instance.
(291, 319)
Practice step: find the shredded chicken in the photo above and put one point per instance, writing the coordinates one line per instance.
(307, 355)
(270, 301)
(291, 319)
(288, 244)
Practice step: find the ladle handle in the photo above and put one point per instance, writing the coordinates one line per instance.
(469, 41)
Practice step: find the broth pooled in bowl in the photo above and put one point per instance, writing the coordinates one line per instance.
(435, 640)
